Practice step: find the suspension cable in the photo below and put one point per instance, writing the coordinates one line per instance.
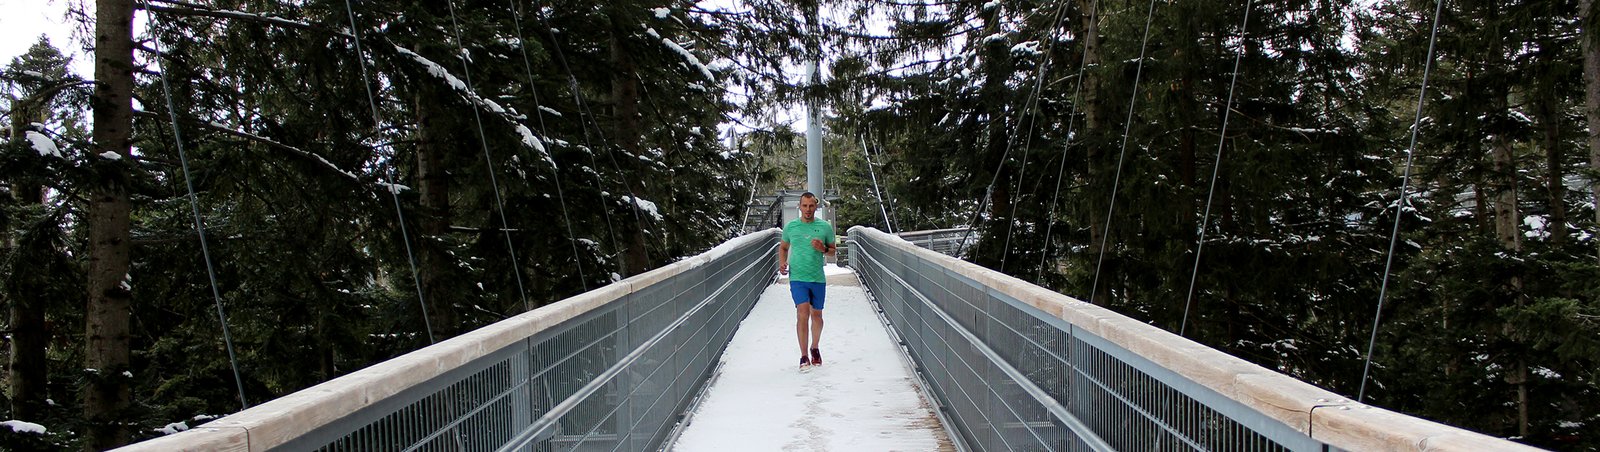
(894, 222)
(488, 161)
(1072, 112)
(527, 67)
(1116, 182)
(584, 112)
(875, 190)
(1027, 138)
(1222, 139)
(194, 207)
(977, 215)
(1400, 204)
(583, 121)
(394, 174)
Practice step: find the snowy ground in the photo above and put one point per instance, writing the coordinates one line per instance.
(862, 399)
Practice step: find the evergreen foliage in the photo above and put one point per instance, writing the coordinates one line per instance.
(508, 128)
(984, 119)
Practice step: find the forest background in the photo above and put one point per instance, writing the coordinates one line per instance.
(355, 165)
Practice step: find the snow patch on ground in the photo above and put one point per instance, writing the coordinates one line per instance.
(831, 269)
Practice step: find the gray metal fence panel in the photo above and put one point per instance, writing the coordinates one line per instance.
(614, 375)
(614, 379)
(1014, 378)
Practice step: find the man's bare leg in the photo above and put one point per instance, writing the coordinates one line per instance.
(803, 314)
(816, 326)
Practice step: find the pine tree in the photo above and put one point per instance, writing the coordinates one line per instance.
(1493, 174)
(42, 134)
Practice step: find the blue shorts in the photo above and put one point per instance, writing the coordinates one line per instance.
(813, 292)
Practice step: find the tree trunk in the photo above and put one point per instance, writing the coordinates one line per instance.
(28, 367)
(433, 223)
(1093, 129)
(625, 94)
(1591, 99)
(1507, 232)
(1505, 195)
(106, 392)
(1000, 216)
(1093, 110)
(1187, 177)
(1550, 116)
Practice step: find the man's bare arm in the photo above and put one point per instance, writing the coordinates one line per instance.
(783, 257)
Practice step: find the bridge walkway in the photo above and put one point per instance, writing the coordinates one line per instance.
(864, 397)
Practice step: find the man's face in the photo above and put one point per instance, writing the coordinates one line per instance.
(808, 208)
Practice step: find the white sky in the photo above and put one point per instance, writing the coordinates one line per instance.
(862, 398)
(25, 20)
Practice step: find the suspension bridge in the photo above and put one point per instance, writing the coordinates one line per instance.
(998, 364)
(974, 359)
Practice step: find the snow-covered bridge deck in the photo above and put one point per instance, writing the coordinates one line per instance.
(863, 398)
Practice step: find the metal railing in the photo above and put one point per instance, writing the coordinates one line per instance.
(610, 369)
(1013, 366)
(949, 242)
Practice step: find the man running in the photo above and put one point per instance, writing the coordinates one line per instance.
(807, 283)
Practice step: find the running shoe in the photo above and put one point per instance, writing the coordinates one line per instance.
(816, 357)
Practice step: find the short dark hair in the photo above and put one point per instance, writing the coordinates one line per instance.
(808, 195)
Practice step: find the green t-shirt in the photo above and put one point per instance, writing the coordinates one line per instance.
(805, 262)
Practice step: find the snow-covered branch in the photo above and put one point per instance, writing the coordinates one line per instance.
(304, 154)
(190, 9)
(689, 57)
(466, 92)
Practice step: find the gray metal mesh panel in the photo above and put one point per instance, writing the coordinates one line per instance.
(613, 379)
(1010, 377)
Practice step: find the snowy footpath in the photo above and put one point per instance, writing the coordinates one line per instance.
(863, 397)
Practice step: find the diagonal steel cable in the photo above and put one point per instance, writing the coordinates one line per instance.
(194, 207)
(1116, 182)
(587, 118)
(527, 67)
(977, 215)
(488, 160)
(1227, 110)
(1072, 112)
(1027, 138)
(1400, 204)
(394, 179)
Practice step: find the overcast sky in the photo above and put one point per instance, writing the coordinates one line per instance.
(25, 20)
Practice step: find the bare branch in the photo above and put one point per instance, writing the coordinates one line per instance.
(191, 9)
